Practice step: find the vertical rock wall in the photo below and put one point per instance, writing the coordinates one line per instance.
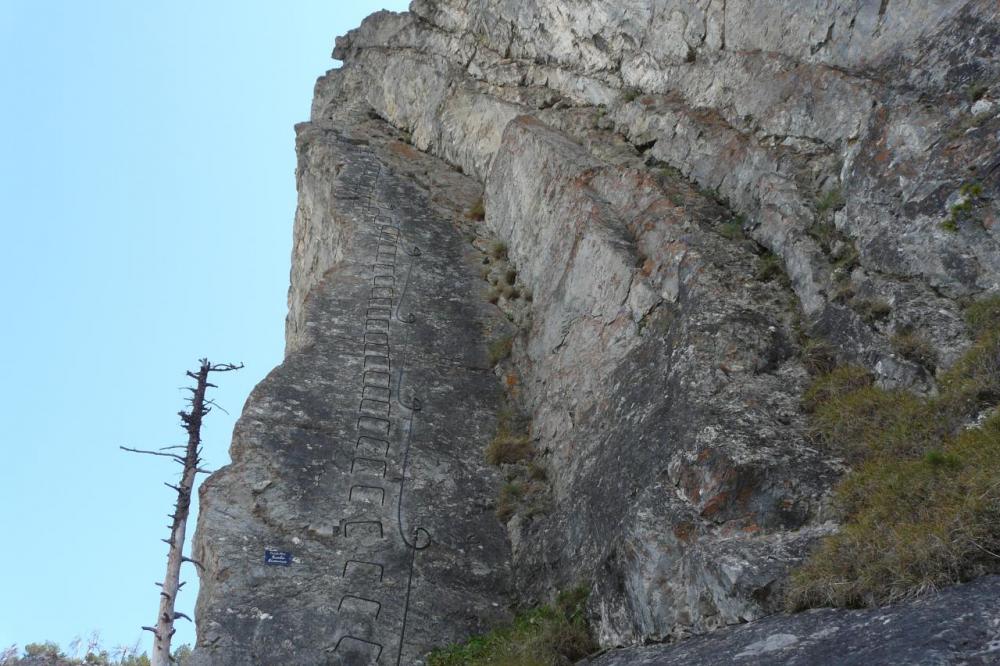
(642, 161)
(361, 453)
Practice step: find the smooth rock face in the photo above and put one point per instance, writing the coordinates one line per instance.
(641, 161)
(960, 625)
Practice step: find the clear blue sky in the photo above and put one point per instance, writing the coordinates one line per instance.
(146, 199)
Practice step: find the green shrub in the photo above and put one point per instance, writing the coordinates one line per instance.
(498, 250)
(983, 315)
(552, 635)
(537, 472)
(47, 649)
(950, 223)
(971, 193)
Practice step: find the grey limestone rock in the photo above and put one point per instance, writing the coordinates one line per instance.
(640, 160)
(960, 625)
(361, 453)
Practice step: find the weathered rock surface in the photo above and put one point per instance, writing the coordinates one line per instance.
(646, 165)
(960, 625)
(332, 461)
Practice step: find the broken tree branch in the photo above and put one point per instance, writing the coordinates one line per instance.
(152, 453)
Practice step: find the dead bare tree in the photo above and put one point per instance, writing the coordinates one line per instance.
(191, 463)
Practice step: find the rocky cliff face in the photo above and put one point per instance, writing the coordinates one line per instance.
(678, 191)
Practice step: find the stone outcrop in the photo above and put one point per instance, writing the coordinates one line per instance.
(686, 189)
(960, 625)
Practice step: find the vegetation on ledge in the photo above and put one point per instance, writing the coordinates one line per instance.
(921, 509)
(554, 635)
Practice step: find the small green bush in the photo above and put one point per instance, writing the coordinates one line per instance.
(511, 442)
(949, 223)
(498, 250)
(47, 649)
(537, 472)
(971, 193)
(553, 635)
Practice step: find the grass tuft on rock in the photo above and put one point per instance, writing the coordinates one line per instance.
(916, 348)
(500, 348)
(921, 508)
(914, 525)
(551, 635)
(769, 267)
(872, 309)
(834, 385)
(732, 230)
(477, 211)
(831, 200)
(819, 357)
(512, 441)
(507, 449)
(983, 316)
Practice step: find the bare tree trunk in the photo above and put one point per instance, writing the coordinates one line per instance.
(191, 461)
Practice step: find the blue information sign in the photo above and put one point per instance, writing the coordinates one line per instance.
(277, 558)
